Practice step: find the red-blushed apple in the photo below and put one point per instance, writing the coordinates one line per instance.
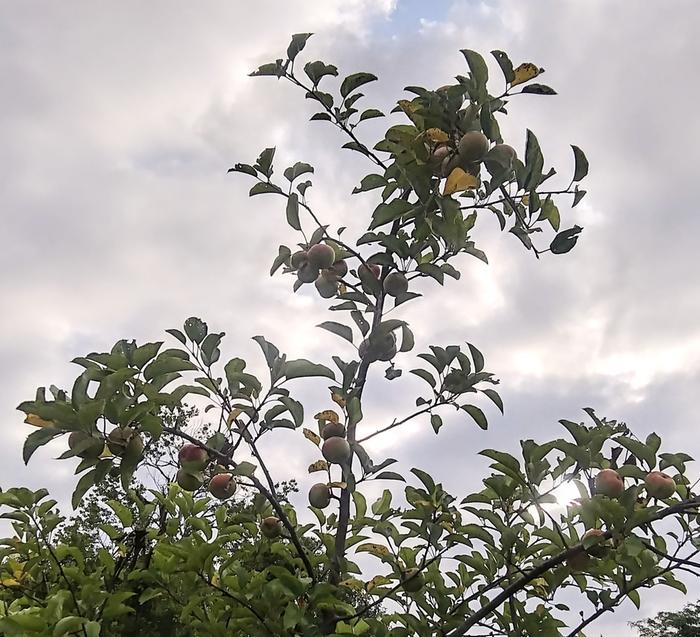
(336, 450)
(307, 273)
(371, 269)
(320, 256)
(333, 430)
(660, 485)
(413, 580)
(609, 482)
(319, 495)
(189, 481)
(271, 527)
(339, 269)
(222, 486)
(192, 457)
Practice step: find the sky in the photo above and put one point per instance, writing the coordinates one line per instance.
(118, 121)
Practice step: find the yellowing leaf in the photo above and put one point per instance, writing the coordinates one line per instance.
(525, 72)
(319, 465)
(328, 415)
(215, 579)
(315, 438)
(338, 400)
(233, 414)
(352, 583)
(458, 180)
(9, 582)
(377, 580)
(338, 485)
(33, 419)
(374, 549)
(437, 135)
(106, 453)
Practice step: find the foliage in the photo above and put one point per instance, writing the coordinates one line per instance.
(683, 623)
(418, 560)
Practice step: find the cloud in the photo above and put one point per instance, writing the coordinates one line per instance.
(119, 122)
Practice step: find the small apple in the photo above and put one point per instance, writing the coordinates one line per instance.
(298, 259)
(339, 268)
(319, 496)
(327, 288)
(321, 255)
(192, 457)
(608, 482)
(222, 486)
(307, 273)
(336, 450)
(271, 527)
(473, 146)
(395, 284)
(413, 580)
(333, 430)
(660, 485)
(371, 269)
(189, 481)
(122, 440)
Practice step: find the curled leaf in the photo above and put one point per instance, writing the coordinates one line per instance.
(313, 437)
(319, 465)
(458, 180)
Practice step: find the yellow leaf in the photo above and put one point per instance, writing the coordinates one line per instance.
(215, 579)
(525, 72)
(437, 135)
(233, 414)
(374, 549)
(33, 419)
(9, 582)
(315, 438)
(525, 200)
(458, 180)
(338, 400)
(106, 453)
(352, 583)
(377, 580)
(328, 415)
(319, 465)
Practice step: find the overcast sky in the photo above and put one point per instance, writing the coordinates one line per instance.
(118, 121)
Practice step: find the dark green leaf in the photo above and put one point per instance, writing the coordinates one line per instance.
(538, 89)
(196, 329)
(297, 44)
(580, 166)
(272, 68)
(495, 398)
(476, 414)
(262, 188)
(301, 368)
(354, 81)
(337, 328)
(505, 64)
(37, 439)
(297, 170)
(282, 257)
(245, 169)
(293, 211)
(370, 113)
(316, 70)
(565, 240)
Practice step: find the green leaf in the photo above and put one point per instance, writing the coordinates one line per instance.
(92, 629)
(354, 409)
(477, 357)
(246, 169)
(382, 504)
(538, 89)
(124, 514)
(165, 365)
(565, 240)
(337, 328)
(638, 449)
(317, 70)
(145, 353)
(495, 398)
(300, 168)
(297, 44)
(293, 211)
(479, 71)
(389, 475)
(271, 68)
(67, 625)
(282, 257)
(477, 415)
(370, 113)
(37, 439)
(262, 188)
(196, 329)
(244, 469)
(264, 162)
(425, 375)
(354, 81)
(85, 483)
(360, 504)
(370, 182)
(505, 64)
(435, 422)
(580, 164)
(302, 368)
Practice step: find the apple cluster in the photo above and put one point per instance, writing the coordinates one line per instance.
(468, 153)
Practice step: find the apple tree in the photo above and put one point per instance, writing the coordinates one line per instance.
(503, 560)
